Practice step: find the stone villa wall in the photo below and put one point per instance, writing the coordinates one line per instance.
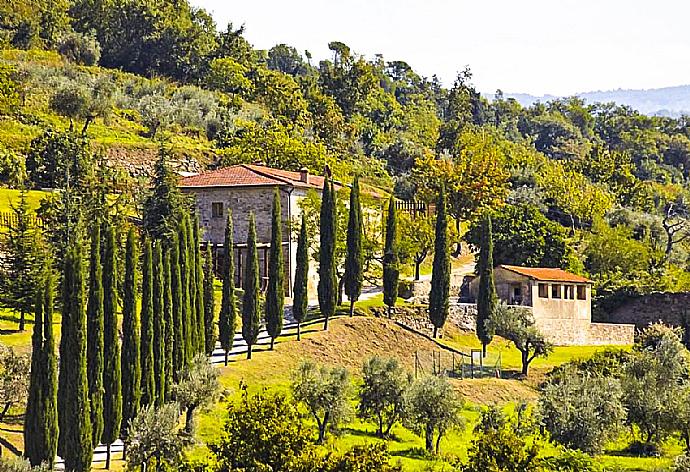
(670, 308)
(461, 315)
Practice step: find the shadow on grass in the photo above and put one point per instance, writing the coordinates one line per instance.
(411, 453)
(13, 420)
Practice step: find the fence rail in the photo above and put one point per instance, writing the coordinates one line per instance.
(415, 207)
(10, 220)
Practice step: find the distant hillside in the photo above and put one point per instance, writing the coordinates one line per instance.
(667, 101)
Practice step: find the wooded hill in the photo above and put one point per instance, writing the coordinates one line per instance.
(598, 189)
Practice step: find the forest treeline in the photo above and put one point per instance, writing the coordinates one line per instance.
(599, 189)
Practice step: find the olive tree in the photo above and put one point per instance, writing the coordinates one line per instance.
(434, 409)
(382, 394)
(14, 378)
(154, 436)
(325, 392)
(653, 382)
(197, 387)
(581, 411)
(517, 325)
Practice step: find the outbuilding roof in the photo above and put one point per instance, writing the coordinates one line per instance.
(252, 175)
(546, 274)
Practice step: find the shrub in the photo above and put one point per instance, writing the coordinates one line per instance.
(12, 167)
(19, 464)
(80, 49)
(681, 463)
(153, 435)
(262, 432)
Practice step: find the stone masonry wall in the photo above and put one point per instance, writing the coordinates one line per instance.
(610, 334)
(670, 308)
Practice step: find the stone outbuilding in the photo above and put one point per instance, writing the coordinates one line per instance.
(561, 303)
(249, 188)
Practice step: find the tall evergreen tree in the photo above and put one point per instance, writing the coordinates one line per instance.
(391, 270)
(148, 384)
(169, 323)
(251, 323)
(354, 270)
(487, 300)
(199, 289)
(75, 443)
(176, 288)
(112, 374)
(275, 293)
(162, 208)
(440, 276)
(131, 340)
(327, 233)
(227, 318)
(20, 265)
(191, 281)
(209, 303)
(158, 324)
(94, 316)
(184, 259)
(299, 291)
(40, 419)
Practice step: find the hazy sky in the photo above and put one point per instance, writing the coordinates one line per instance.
(534, 46)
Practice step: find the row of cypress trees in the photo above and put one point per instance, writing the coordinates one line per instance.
(101, 388)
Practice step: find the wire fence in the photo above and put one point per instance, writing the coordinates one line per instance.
(457, 364)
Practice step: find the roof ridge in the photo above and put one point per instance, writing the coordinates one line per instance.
(252, 168)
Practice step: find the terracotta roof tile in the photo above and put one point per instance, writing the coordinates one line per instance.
(546, 274)
(245, 175)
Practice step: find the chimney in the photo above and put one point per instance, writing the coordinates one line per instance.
(304, 175)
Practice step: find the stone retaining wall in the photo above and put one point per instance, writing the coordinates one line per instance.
(670, 308)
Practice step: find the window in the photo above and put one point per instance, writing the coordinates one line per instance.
(569, 292)
(581, 292)
(543, 291)
(217, 209)
(555, 291)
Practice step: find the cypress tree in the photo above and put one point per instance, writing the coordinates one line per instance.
(75, 443)
(40, 419)
(169, 323)
(191, 281)
(440, 276)
(199, 290)
(50, 418)
(176, 287)
(112, 375)
(131, 340)
(148, 384)
(327, 228)
(228, 312)
(185, 259)
(158, 325)
(275, 293)
(299, 293)
(250, 300)
(354, 272)
(487, 300)
(34, 434)
(209, 303)
(391, 271)
(94, 315)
